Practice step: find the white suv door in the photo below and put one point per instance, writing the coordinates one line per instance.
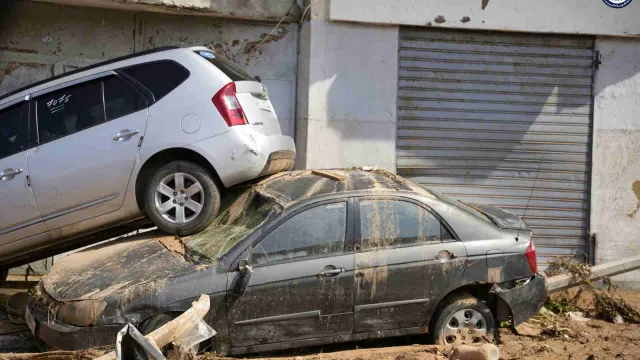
(88, 141)
(19, 216)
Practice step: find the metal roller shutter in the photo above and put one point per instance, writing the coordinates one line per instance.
(488, 117)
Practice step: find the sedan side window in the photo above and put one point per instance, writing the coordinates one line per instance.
(387, 223)
(67, 111)
(13, 137)
(314, 232)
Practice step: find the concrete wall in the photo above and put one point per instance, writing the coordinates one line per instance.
(615, 202)
(249, 9)
(39, 40)
(347, 96)
(546, 16)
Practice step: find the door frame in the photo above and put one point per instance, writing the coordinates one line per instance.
(422, 304)
(243, 251)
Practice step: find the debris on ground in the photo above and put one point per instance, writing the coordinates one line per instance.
(467, 352)
(176, 328)
(577, 316)
(607, 303)
(55, 355)
(529, 329)
(408, 352)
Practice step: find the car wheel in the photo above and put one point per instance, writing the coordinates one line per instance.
(181, 198)
(154, 323)
(463, 321)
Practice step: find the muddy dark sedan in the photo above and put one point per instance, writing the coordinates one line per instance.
(307, 258)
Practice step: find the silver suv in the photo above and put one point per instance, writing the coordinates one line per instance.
(160, 133)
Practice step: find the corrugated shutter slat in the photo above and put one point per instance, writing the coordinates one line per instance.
(484, 116)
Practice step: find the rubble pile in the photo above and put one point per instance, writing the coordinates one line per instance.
(607, 303)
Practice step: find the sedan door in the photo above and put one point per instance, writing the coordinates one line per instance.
(19, 216)
(406, 257)
(89, 136)
(302, 280)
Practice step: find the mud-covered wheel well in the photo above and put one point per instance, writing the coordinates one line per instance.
(162, 158)
(499, 308)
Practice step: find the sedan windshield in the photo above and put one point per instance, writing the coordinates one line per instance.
(242, 212)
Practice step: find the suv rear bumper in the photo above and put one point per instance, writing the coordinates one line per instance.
(242, 154)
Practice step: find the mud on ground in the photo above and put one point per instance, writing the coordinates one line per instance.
(594, 339)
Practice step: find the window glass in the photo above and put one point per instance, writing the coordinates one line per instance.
(314, 232)
(228, 67)
(159, 77)
(121, 99)
(242, 211)
(385, 223)
(12, 130)
(69, 110)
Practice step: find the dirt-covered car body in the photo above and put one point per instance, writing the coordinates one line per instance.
(301, 258)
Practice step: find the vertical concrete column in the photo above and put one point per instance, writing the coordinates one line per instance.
(347, 89)
(615, 188)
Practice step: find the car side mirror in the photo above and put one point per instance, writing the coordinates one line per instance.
(244, 266)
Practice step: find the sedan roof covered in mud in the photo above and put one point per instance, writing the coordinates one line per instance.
(290, 187)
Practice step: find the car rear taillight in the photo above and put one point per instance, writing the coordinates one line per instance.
(531, 256)
(228, 106)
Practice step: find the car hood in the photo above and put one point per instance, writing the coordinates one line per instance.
(104, 270)
(502, 218)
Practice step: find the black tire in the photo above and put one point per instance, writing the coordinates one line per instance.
(208, 198)
(467, 311)
(147, 327)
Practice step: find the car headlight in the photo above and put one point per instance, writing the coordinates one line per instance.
(81, 312)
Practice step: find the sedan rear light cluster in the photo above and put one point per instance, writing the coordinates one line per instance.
(228, 106)
(531, 256)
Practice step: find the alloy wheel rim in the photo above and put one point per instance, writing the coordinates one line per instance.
(179, 198)
(465, 327)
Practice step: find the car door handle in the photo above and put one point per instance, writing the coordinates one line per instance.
(331, 272)
(126, 133)
(446, 255)
(8, 174)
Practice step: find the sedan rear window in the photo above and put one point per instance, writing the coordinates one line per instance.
(228, 67)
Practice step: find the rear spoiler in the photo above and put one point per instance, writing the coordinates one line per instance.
(502, 218)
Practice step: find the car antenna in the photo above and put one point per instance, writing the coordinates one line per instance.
(529, 199)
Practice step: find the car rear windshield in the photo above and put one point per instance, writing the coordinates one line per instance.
(460, 205)
(228, 67)
(241, 213)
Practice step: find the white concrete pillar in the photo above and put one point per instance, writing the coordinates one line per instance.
(615, 187)
(347, 91)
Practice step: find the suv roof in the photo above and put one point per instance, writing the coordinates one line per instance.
(86, 68)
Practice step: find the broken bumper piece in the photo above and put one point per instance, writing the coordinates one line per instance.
(525, 299)
(68, 337)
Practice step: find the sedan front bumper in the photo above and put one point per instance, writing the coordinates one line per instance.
(524, 299)
(68, 337)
